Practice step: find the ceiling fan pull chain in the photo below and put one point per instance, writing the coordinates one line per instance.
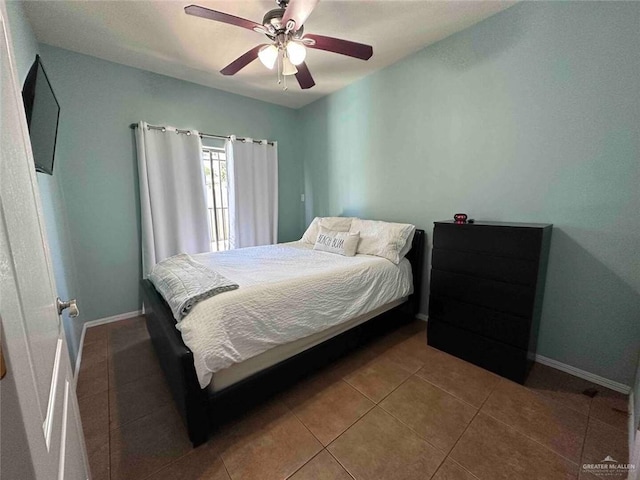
(279, 69)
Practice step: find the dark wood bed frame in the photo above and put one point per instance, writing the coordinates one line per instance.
(203, 410)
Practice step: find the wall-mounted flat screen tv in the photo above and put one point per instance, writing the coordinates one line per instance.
(43, 112)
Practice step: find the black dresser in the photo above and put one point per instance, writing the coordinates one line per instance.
(487, 283)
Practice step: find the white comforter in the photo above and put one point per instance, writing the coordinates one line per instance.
(287, 292)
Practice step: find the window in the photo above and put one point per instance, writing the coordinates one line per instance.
(215, 171)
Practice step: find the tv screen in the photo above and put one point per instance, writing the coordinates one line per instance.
(43, 112)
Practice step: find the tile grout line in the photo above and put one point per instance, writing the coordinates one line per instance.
(291, 411)
(370, 410)
(446, 454)
(224, 465)
(180, 458)
(410, 428)
(575, 410)
(584, 442)
(344, 467)
(469, 424)
(350, 425)
(304, 464)
(226, 469)
(511, 427)
(558, 403)
(146, 414)
(624, 430)
(453, 394)
(375, 404)
(393, 390)
(526, 435)
(461, 467)
(447, 391)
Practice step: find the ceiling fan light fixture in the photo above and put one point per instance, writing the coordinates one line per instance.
(288, 68)
(268, 56)
(296, 52)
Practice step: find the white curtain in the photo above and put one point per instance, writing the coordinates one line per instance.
(172, 194)
(253, 192)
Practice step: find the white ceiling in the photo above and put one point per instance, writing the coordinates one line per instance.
(158, 36)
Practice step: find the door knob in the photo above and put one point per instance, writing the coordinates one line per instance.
(72, 305)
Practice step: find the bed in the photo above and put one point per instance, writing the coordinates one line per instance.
(221, 376)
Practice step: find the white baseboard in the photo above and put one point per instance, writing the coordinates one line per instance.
(95, 323)
(114, 318)
(634, 441)
(634, 438)
(422, 316)
(576, 372)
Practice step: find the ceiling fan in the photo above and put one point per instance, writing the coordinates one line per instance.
(284, 27)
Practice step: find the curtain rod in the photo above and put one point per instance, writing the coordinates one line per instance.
(133, 126)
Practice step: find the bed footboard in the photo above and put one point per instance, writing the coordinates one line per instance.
(176, 361)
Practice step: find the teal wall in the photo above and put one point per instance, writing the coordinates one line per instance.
(96, 162)
(25, 47)
(532, 115)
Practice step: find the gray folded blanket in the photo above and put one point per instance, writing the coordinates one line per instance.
(183, 282)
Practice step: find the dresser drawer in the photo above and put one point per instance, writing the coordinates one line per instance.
(503, 269)
(483, 321)
(506, 241)
(500, 296)
(505, 360)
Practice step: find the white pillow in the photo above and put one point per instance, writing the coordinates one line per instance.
(383, 239)
(407, 246)
(337, 224)
(342, 243)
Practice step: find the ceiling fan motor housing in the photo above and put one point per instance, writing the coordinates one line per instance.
(274, 18)
(272, 21)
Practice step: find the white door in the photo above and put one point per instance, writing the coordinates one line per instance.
(40, 435)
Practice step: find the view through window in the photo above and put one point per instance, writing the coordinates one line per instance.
(215, 171)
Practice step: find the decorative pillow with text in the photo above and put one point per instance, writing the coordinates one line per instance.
(337, 224)
(342, 243)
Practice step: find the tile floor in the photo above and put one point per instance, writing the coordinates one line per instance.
(395, 409)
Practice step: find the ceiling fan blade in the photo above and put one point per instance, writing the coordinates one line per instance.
(337, 45)
(299, 11)
(203, 12)
(242, 61)
(304, 76)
